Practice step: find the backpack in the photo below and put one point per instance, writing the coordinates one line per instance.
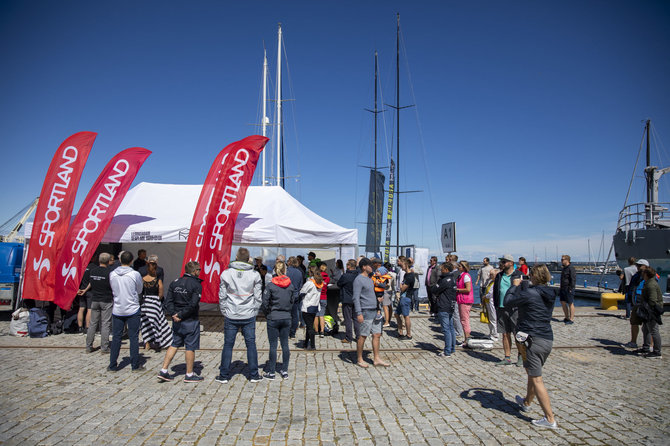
(37, 324)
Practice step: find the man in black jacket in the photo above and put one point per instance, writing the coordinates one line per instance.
(346, 286)
(444, 295)
(182, 304)
(566, 292)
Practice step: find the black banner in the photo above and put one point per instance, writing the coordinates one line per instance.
(375, 212)
(389, 213)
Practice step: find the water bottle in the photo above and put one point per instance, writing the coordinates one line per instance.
(552, 280)
(605, 284)
(584, 283)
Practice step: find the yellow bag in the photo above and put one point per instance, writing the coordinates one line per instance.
(483, 316)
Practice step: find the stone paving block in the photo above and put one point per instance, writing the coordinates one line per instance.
(327, 400)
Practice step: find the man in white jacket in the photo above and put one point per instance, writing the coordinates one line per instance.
(239, 300)
(126, 286)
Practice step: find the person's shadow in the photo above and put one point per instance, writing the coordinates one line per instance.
(494, 399)
(481, 355)
(125, 361)
(613, 347)
(180, 369)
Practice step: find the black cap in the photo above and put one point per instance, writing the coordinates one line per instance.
(376, 260)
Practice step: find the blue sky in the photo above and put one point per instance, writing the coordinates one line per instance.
(527, 122)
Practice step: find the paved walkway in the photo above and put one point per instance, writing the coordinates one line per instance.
(55, 393)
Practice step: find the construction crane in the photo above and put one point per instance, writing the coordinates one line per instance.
(14, 232)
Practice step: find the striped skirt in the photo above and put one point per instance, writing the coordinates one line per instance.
(155, 328)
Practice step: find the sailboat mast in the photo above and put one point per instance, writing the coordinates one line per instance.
(279, 116)
(397, 107)
(648, 174)
(375, 161)
(264, 124)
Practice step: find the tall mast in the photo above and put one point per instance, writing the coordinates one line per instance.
(397, 107)
(375, 165)
(649, 176)
(264, 124)
(279, 116)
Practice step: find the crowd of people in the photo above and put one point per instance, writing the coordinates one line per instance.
(127, 296)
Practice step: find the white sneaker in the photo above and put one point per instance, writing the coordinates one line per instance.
(522, 403)
(544, 423)
(493, 338)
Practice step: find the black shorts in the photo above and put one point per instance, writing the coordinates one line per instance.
(85, 301)
(507, 319)
(186, 333)
(567, 296)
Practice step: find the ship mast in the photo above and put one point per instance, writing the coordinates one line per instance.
(279, 99)
(264, 123)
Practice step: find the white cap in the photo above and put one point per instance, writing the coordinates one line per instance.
(642, 262)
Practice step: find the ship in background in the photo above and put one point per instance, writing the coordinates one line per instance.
(643, 229)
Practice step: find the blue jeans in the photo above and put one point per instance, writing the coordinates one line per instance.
(296, 317)
(629, 306)
(118, 322)
(413, 294)
(230, 329)
(447, 323)
(278, 329)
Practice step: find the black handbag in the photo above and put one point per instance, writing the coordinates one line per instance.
(643, 312)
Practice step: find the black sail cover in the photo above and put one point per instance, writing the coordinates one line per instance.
(375, 211)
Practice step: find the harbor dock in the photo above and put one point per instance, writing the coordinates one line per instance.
(601, 393)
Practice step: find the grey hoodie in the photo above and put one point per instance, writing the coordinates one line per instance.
(240, 291)
(126, 286)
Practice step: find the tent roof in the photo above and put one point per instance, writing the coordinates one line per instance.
(152, 212)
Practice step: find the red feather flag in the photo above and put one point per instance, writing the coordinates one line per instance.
(92, 221)
(52, 216)
(211, 233)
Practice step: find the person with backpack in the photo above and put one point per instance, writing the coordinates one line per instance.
(652, 298)
(634, 293)
(444, 294)
(277, 305)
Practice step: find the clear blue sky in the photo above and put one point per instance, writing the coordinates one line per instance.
(528, 119)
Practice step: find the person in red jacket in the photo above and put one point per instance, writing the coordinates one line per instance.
(320, 321)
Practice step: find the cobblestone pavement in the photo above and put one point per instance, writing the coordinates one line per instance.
(53, 392)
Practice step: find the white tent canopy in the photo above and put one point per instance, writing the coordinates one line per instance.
(159, 213)
(157, 218)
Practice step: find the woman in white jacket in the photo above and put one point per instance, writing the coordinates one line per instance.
(311, 295)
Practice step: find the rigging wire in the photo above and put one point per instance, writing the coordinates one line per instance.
(637, 160)
(421, 139)
(293, 115)
(660, 152)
